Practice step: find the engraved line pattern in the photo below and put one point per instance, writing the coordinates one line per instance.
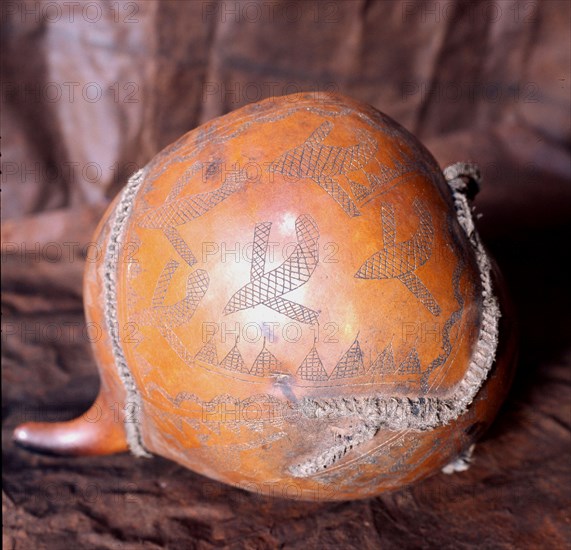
(313, 370)
(265, 363)
(351, 364)
(182, 311)
(208, 353)
(384, 363)
(389, 176)
(454, 318)
(425, 413)
(184, 180)
(182, 210)
(268, 288)
(217, 133)
(410, 156)
(261, 239)
(177, 346)
(411, 363)
(360, 191)
(234, 360)
(400, 173)
(163, 283)
(293, 310)
(180, 245)
(312, 367)
(322, 163)
(400, 260)
(178, 211)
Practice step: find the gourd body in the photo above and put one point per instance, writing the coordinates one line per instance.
(288, 299)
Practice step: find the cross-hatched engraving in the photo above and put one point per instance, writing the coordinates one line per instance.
(177, 210)
(384, 363)
(265, 363)
(234, 360)
(268, 288)
(454, 317)
(207, 353)
(261, 238)
(389, 174)
(410, 364)
(351, 364)
(181, 312)
(360, 191)
(312, 368)
(217, 133)
(180, 245)
(400, 260)
(163, 283)
(402, 167)
(323, 163)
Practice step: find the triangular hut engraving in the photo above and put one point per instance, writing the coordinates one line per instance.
(351, 364)
(384, 363)
(207, 353)
(234, 360)
(411, 363)
(312, 367)
(265, 363)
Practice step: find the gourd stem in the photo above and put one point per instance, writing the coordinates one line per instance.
(99, 431)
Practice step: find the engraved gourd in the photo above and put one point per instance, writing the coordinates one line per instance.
(294, 294)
